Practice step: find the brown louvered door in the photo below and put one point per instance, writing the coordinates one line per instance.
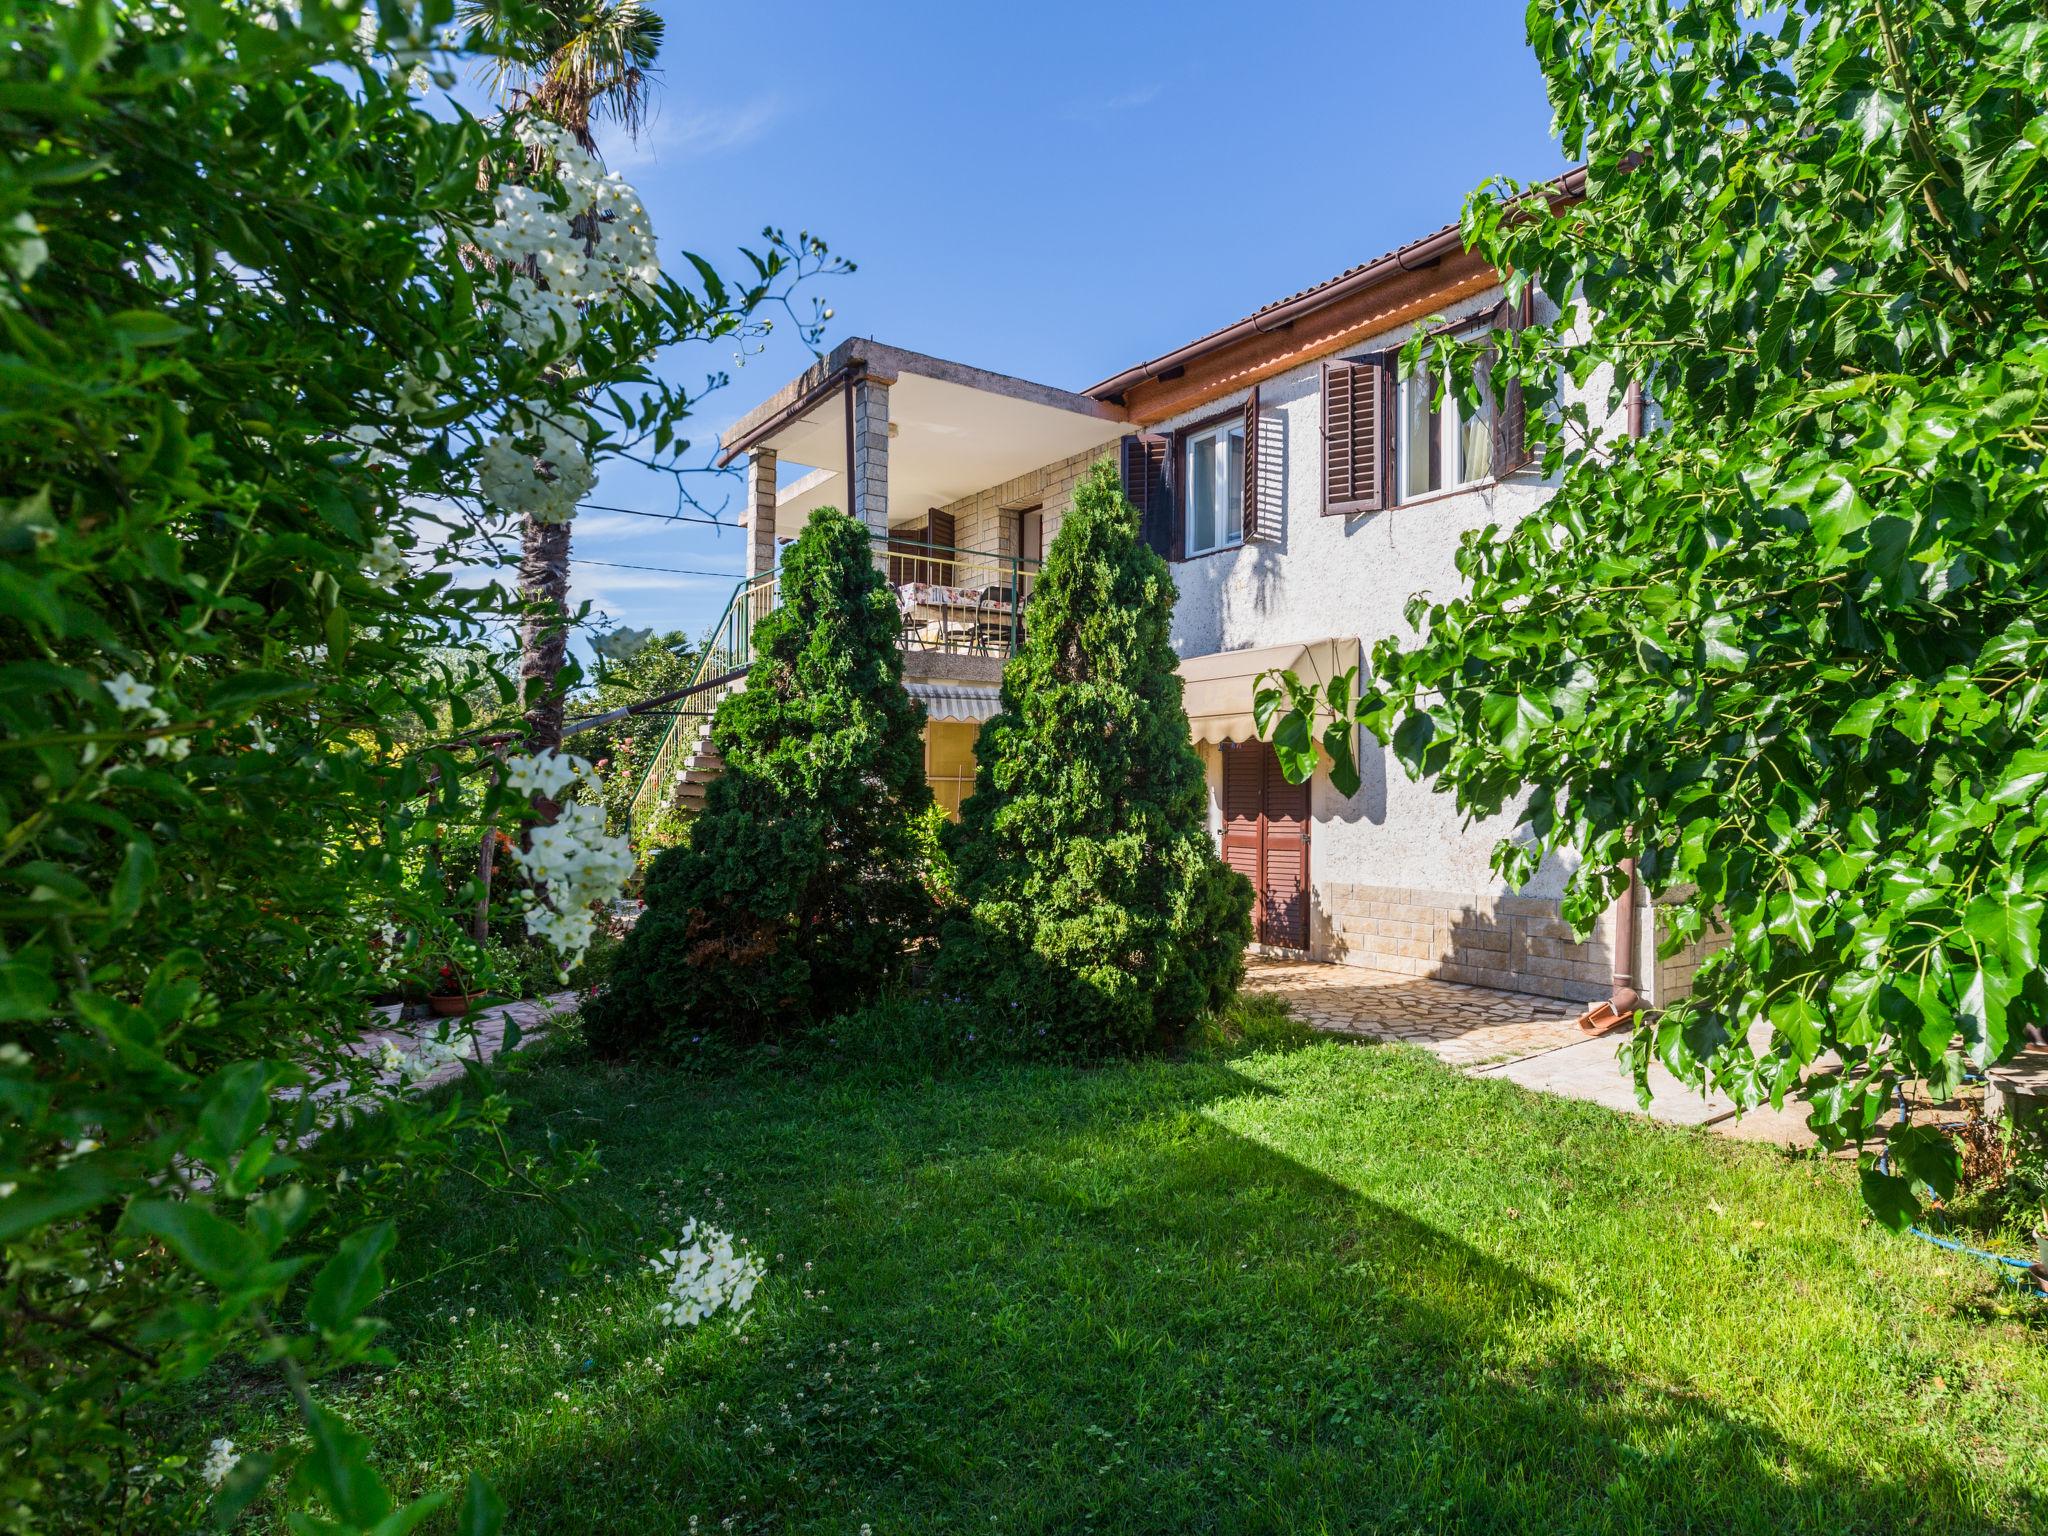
(1244, 797)
(1357, 426)
(1265, 839)
(1283, 886)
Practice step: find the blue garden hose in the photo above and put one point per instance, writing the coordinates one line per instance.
(2018, 1272)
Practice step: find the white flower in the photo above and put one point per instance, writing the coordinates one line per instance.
(530, 313)
(128, 693)
(176, 748)
(582, 866)
(549, 773)
(220, 1461)
(29, 250)
(538, 468)
(706, 1271)
(589, 243)
(385, 560)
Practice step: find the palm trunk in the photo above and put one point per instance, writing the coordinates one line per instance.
(543, 638)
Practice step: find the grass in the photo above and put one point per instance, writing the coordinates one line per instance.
(1320, 1288)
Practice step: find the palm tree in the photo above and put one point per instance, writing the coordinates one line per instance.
(572, 61)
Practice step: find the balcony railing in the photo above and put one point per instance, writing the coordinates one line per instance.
(965, 602)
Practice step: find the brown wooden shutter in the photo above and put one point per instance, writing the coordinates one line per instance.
(939, 536)
(1261, 512)
(1144, 463)
(905, 547)
(1510, 439)
(1358, 467)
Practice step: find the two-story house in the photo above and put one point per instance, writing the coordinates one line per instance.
(1302, 492)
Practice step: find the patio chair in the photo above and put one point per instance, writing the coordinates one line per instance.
(993, 619)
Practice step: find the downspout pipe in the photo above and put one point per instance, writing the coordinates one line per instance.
(1625, 998)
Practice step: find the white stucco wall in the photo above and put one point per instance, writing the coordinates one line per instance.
(1353, 576)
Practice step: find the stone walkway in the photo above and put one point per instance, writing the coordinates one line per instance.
(1466, 1026)
(1533, 1041)
(482, 1033)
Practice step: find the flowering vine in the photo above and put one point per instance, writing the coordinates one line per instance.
(572, 858)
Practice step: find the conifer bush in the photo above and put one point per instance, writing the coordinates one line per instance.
(801, 887)
(1095, 915)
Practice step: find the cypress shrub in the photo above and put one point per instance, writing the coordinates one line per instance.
(1095, 916)
(800, 888)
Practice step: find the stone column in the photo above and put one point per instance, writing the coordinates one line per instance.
(760, 511)
(868, 475)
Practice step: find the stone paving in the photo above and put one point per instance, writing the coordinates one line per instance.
(1464, 1025)
(481, 1033)
(1533, 1041)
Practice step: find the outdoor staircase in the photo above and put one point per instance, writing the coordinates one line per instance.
(685, 766)
(698, 761)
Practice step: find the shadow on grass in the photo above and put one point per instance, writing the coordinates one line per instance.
(1054, 1301)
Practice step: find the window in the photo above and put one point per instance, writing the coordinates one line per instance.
(1215, 488)
(1443, 447)
(949, 762)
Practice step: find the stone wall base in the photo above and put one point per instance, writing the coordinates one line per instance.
(1515, 943)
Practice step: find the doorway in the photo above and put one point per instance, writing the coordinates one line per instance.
(1265, 839)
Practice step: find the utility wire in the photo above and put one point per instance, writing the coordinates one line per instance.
(666, 570)
(660, 517)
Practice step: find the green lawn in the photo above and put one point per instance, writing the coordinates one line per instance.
(1339, 1288)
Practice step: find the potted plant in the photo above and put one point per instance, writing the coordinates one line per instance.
(450, 975)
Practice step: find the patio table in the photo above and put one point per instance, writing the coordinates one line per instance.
(959, 612)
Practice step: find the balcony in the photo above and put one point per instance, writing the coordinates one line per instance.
(961, 614)
(965, 602)
(959, 475)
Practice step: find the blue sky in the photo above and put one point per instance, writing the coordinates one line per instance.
(1055, 191)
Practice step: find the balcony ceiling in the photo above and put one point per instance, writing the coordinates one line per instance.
(954, 430)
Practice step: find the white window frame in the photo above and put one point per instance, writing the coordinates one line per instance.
(1451, 425)
(1223, 431)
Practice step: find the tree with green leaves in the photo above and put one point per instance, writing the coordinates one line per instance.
(248, 360)
(800, 891)
(1785, 650)
(632, 666)
(1095, 916)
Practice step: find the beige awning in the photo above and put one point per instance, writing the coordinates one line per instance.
(1218, 687)
(962, 702)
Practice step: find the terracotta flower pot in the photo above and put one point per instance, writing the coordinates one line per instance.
(450, 1004)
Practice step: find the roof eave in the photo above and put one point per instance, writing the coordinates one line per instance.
(1411, 257)
(861, 356)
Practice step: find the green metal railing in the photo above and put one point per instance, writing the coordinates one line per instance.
(729, 647)
(955, 601)
(959, 600)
